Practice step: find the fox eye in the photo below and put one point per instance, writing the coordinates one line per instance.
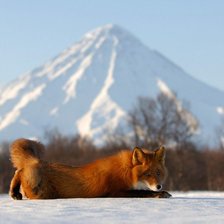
(147, 174)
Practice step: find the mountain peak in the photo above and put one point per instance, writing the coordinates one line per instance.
(109, 30)
(90, 87)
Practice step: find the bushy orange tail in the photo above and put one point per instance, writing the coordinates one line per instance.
(24, 152)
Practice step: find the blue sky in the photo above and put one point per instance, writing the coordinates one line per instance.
(190, 33)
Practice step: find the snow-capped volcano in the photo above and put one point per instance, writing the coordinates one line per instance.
(90, 87)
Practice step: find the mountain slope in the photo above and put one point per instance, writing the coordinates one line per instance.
(90, 87)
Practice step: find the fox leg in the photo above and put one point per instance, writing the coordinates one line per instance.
(15, 186)
(142, 194)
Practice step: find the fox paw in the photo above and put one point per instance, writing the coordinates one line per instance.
(16, 196)
(163, 194)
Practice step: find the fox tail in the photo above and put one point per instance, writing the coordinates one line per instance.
(25, 152)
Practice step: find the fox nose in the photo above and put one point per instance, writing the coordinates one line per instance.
(159, 187)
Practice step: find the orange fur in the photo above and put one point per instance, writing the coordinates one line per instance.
(113, 176)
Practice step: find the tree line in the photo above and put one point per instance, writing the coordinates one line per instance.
(152, 122)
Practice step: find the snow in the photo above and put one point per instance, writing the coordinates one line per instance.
(191, 207)
(70, 86)
(165, 89)
(16, 111)
(220, 110)
(103, 104)
(54, 111)
(24, 122)
(13, 89)
(63, 70)
(190, 120)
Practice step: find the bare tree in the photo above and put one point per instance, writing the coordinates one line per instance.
(220, 134)
(6, 169)
(161, 121)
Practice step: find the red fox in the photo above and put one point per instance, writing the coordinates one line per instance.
(137, 173)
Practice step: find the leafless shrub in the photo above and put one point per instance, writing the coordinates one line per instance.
(161, 121)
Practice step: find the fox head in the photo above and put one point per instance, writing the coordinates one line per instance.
(149, 170)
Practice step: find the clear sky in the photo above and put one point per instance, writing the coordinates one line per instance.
(188, 32)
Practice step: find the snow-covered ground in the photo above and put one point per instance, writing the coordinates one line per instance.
(191, 207)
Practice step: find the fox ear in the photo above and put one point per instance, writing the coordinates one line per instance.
(160, 154)
(138, 156)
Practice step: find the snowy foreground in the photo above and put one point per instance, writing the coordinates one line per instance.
(191, 207)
